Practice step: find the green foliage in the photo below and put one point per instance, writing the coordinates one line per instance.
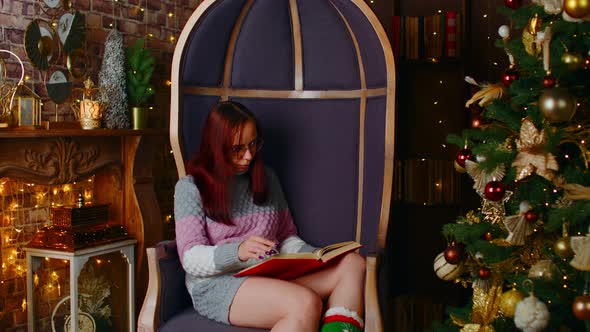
(499, 142)
(140, 68)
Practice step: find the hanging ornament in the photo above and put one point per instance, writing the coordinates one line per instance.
(581, 307)
(531, 216)
(455, 253)
(562, 247)
(494, 211)
(518, 226)
(532, 45)
(463, 155)
(581, 247)
(568, 18)
(531, 153)
(504, 31)
(577, 8)
(494, 190)
(572, 60)
(513, 4)
(484, 273)
(557, 105)
(548, 81)
(509, 76)
(445, 270)
(481, 177)
(550, 6)
(543, 269)
(486, 94)
(531, 314)
(487, 236)
(509, 300)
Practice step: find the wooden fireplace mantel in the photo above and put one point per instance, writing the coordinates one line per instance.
(120, 161)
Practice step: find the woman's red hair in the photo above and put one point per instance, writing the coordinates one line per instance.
(211, 166)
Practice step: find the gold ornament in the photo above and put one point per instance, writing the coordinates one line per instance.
(486, 303)
(572, 60)
(577, 8)
(557, 105)
(494, 211)
(581, 247)
(543, 269)
(529, 36)
(481, 177)
(531, 155)
(562, 246)
(508, 302)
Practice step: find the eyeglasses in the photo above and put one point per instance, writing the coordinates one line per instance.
(254, 146)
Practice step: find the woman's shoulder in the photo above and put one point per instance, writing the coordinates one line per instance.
(186, 183)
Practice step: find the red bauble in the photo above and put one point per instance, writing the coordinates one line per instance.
(513, 4)
(509, 76)
(494, 191)
(531, 216)
(484, 273)
(454, 254)
(548, 81)
(581, 307)
(487, 236)
(463, 155)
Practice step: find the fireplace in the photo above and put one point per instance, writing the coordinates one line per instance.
(40, 170)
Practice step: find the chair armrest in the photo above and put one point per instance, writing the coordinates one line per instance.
(373, 319)
(149, 318)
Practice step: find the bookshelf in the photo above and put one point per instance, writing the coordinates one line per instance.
(428, 192)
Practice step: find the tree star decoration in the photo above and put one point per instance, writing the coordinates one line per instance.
(481, 177)
(581, 247)
(494, 211)
(531, 155)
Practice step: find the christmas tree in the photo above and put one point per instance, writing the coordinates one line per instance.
(526, 250)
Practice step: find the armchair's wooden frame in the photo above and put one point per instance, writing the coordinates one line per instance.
(148, 319)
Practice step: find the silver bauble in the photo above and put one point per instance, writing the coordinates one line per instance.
(557, 105)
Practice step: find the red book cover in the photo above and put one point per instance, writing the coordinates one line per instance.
(289, 266)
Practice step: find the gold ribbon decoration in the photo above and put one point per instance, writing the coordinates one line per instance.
(531, 156)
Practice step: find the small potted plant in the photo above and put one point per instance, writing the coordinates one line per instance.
(140, 67)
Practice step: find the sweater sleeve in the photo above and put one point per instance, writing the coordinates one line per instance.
(197, 255)
(289, 241)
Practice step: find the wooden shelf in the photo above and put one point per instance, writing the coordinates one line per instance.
(25, 133)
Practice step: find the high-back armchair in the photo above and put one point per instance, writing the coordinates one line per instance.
(320, 76)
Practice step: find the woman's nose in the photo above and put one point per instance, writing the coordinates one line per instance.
(247, 155)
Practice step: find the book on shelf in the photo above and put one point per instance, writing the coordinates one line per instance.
(289, 266)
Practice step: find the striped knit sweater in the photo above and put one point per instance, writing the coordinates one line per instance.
(208, 249)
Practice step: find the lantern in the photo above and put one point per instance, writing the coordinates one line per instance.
(28, 111)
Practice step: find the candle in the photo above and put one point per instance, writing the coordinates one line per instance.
(89, 109)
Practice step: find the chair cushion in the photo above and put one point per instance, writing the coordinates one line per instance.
(174, 296)
(189, 321)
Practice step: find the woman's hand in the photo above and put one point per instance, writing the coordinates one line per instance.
(255, 247)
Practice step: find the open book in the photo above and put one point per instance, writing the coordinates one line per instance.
(289, 266)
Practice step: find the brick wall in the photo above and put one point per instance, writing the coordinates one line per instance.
(153, 19)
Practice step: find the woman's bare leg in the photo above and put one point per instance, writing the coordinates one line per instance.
(342, 284)
(275, 304)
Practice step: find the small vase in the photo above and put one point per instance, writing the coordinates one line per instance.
(140, 117)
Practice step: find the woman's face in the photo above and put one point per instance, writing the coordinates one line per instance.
(244, 147)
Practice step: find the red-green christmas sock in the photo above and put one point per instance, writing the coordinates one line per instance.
(340, 319)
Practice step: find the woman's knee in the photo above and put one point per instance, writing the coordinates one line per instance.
(353, 263)
(306, 303)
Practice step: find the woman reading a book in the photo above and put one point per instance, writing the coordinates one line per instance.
(230, 213)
